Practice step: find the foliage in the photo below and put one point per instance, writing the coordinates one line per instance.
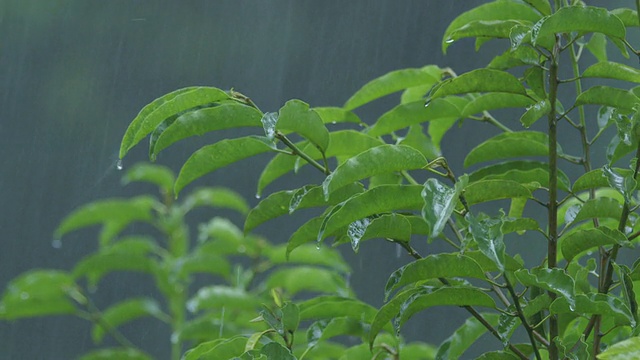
(387, 178)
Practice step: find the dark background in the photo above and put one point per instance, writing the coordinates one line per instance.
(74, 73)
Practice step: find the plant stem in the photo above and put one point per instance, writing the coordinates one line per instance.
(280, 136)
(523, 318)
(552, 244)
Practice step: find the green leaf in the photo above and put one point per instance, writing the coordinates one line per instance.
(408, 114)
(513, 58)
(325, 329)
(390, 226)
(288, 201)
(95, 266)
(628, 16)
(305, 233)
(626, 349)
(595, 304)
(392, 82)
(274, 350)
(439, 203)
(164, 107)
(509, 145)
(295, 116)
(497, 355)
(40, 293)
(203, 263)
(597, 45)
(309, 255)
(212, 157)
(480, 80)
(417, 139)
(216, 197)
(116, 353)
(489, 190)
(579, 19)
(378, 160)
(601, 207)
(626, 185)
(217, 296)
(217, 349)
(307, 278)
(433, 267)
(334, 115)
(499, 29)
(582, 240)
(535, 112)
(381, 199)
(612, 70)
(488, 236)
(290, 317)
(542, 6)
(493, 101)
(535, 78)
(202, 121)
(596, 179)
(493, 11)
(125, 311)
(554, 280)
(343, 143)
(521, 171)
(155, 174)
(608, 96)
(464, 337)
(114, 214)
(330, 307)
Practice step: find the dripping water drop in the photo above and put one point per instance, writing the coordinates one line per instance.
(24, 295)
(119, 165)
(258, 196)
(398, 251)
(56, 243)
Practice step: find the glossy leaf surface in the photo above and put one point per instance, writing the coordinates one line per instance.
(439, 203)
(412, 113)
(126, 311)
(608, 96)
(509, 145)
(480, 80)
(520, 171)
(493, 101)
(295, 116)
(554, 280)
(585, 239)
(580, 19)
(612, 70)
(464, 336)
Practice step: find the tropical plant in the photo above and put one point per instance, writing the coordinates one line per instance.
(388, 179)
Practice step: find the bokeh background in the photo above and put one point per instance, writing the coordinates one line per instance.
(74, 73)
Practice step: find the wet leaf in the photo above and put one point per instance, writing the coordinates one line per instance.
(334, 115)
(498, 29)
(464, 337)
(124, 312)
(628, 16)
(521, 171)
(392, 82)
(202, 121)
(597, 45)
(509, 145)
(212, 157)
(493, 101)
(433, 267)
(580, 19)
(582, 240)
(307, 278)
(535, 112)
(595, 304)
(295, 116)
(417, 139)
(217, 349)
(519, 57)
(216, 197)
(626, 185)
(408, 114)
(166, 106)
(218, 296)
(305, 233)
(608, 96)
(39, 293)
(542, 6)
(488, 236)
(331, 307)
(493, 11)
(343, 143)
(378, 160)
(612, 70)
(308, 255)
(95, 266)
(626, 349)
(381, 199)
(154, 174)
(497, 355)
(480, 80)
(596, 179)
(116, 353)
(391, 226)
(439, 203)
(326, 329)
(489, 190)
(554, 280)
(601, 207)
(274, 350)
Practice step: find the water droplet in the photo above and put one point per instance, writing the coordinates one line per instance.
(192, 306)
(318, 245)
(258, 196)
(398, 251)
(449, 41)
(56, 243)
(356, 231)
(175, 338)
(24, 295)
(119, 165)
(334, 122)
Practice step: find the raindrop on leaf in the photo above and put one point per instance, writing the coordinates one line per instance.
(119, 165)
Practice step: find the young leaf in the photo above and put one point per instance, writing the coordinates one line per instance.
(412, 113)
(582, 240)
(116, 353)
(509, 145)
(433, 267)
(381, 199)
(295, 116)
(212, 157)
(480, 80)
(464, 336)
(166, 106)
(39, 293)
(202, 121)
(378, 160)
(488, 236)
(392, 82)
(608, 96)
(492, 101)
(155, 174)
(125, 311)
(580, 19)
(535, 112)
(492, 11)
(439, 203)
(554, 280)
(612, 70)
